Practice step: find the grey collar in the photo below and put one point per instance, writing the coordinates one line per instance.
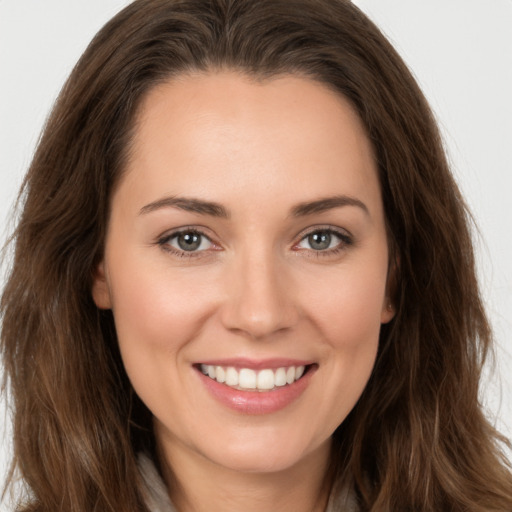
(157, 497)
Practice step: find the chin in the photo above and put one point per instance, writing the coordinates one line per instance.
(265, 457)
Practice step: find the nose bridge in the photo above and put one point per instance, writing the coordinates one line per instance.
(258, 301)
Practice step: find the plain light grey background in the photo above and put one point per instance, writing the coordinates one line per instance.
(459, 50)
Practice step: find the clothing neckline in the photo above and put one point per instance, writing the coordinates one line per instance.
(157, 497)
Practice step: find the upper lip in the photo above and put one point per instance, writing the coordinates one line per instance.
(256, 364)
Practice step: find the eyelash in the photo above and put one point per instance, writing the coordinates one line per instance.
(345, 241)
(164, 241)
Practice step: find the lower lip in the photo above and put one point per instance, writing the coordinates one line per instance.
(257, 402)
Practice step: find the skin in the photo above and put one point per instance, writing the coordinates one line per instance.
(256, 288)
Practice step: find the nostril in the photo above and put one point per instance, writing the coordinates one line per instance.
(258, 320)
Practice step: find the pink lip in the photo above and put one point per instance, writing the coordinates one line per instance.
(257, 402)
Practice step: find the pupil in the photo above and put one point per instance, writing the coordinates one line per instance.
(320, 240)
(189, 241)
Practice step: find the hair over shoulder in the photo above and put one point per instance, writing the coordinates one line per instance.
(417, 439)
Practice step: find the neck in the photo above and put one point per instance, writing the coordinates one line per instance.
(199, 485)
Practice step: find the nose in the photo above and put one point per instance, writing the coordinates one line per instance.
(259, 300)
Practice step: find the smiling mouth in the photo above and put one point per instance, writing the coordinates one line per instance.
(247, 379)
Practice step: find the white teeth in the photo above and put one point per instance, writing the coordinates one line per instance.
(231, 377)
(266, 379)
(246, 378)
(280, 377)
(220, 374)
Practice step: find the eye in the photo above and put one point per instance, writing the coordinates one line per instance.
(188, 241)
(324, 240)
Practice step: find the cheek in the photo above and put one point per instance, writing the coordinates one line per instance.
(154, 307)
(156, 316)
(346, 310)
(347, 305)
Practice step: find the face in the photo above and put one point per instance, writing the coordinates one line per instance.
(246, 266)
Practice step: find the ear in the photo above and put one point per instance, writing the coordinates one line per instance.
(388, 311)
(388, 305)
(100, 289)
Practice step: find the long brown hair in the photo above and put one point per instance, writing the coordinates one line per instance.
(417, 439)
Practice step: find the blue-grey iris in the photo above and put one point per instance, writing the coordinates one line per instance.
(189, 241)
(320, 240)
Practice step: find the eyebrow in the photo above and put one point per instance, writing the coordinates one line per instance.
(212, 209)
(325, 204)
(188, 204)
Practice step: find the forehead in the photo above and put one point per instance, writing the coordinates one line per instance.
(229, 99)
(206, 130)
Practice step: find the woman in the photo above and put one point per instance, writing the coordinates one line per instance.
(242, 263)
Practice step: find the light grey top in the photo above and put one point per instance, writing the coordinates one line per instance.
(158, 500)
